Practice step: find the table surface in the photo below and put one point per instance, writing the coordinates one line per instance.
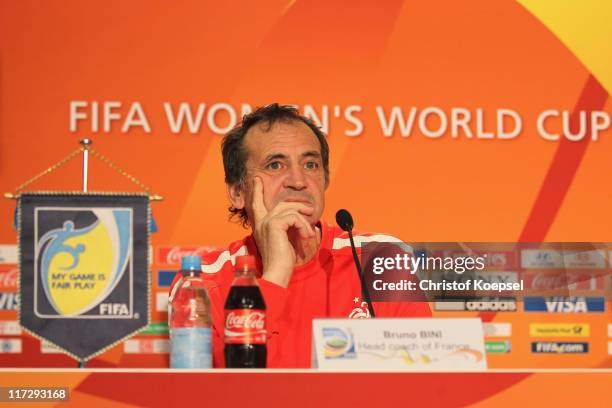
(302, 388)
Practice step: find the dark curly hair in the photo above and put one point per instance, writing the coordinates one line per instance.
(235, 155)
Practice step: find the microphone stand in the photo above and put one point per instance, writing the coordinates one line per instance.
(345, 221)
(364, 289)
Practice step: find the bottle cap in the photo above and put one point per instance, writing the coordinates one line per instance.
(245, 262)
(191, 262)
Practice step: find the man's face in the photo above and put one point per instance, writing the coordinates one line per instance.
(287, 159)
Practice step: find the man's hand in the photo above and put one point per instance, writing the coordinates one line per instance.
(272, 230)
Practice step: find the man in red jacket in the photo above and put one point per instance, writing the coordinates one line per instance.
(277, 170)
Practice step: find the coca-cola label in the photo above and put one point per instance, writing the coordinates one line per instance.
(245, 326)
(8, 278)
(564, 280)
(172, 254)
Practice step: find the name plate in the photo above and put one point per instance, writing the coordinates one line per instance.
(421, 344)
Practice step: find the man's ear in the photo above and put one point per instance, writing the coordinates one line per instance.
(236, 195)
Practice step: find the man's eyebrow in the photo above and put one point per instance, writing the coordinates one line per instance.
(275, 156)
(312, 153)
(281, 156)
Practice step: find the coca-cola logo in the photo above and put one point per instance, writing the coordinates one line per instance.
(173, 254)
(8, 279)
(245, 326)
(249, 321)
(548, 282)
(561, 280)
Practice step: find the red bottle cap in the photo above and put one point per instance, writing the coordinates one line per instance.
(245, 262)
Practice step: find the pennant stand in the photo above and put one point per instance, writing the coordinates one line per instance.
(83, 261)
(85, 149)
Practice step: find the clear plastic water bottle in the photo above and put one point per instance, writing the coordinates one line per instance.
(190, 319)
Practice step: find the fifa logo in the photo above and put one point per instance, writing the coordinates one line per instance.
(83, 262)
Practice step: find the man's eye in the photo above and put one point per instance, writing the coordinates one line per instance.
(274, 165)
(312, 165)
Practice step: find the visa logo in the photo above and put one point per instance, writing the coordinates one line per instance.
(559, 304)
(9, 300)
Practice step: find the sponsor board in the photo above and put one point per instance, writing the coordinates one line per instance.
(8, 278)
(609, 329)
(541, 258)
(165, 278)
(161, 301)
(592, 259)
(485, 304)
(172, 255)
(9, 300)
(497, 329)
(557, 259)
(10, 328)
(498, 346)
(559, 329)
(11, 346)
(559, 347)
(559, 304)
(49, 348)
(156, 328)
(8, 254)
(570, 280)
(146, 346)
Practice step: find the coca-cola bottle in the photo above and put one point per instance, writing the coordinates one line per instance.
(245, 319)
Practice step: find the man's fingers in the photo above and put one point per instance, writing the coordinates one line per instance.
(294, 220)
(290, 218)
(286, 205)
(258, 205)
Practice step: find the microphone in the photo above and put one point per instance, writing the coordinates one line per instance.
(345, 221)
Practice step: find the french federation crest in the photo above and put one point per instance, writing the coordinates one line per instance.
(84, 270)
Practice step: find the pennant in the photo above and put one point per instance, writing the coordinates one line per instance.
(84, 281)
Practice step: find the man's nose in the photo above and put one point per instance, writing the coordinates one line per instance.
(295, 178)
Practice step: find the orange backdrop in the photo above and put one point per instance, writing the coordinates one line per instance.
(478, 54)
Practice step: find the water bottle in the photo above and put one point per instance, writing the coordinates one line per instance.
(190, 319)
